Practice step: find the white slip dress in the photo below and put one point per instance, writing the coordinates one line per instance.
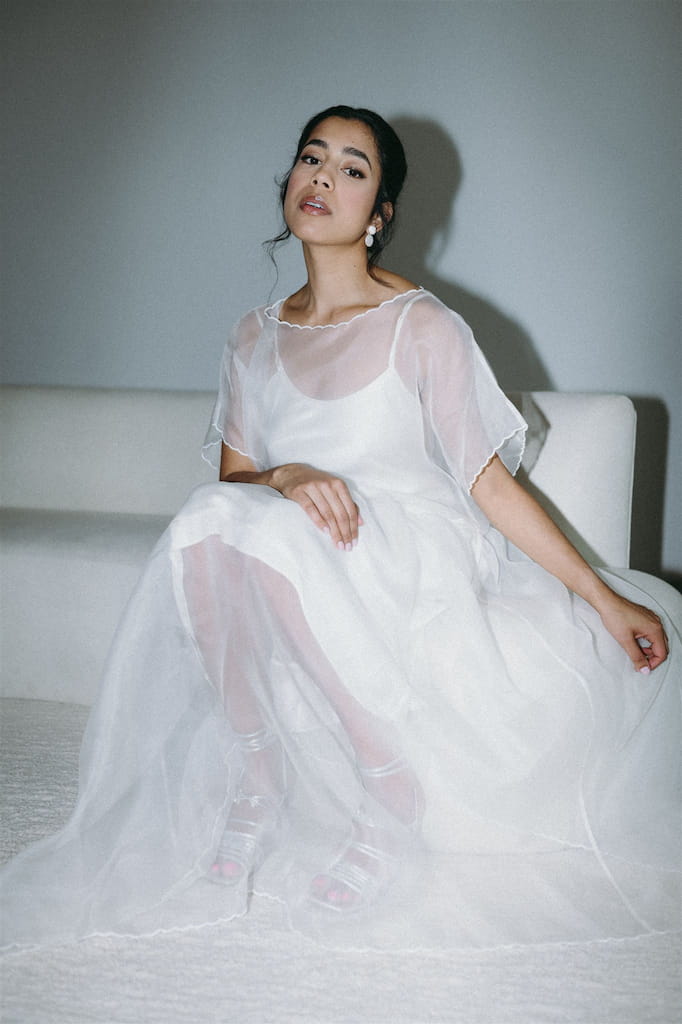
(432, 686)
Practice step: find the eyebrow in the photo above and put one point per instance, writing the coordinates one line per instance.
(346, 149)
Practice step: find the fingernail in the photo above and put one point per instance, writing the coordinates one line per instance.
(340, 545)
(645, 671)
(349, 546)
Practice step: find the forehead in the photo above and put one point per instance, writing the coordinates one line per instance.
(337, 131)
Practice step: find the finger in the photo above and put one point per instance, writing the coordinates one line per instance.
(654, 646)
(350, 516)
(344, 511)
(645, 651)
(634, 650)
(328, 517)
(330, 506)
(344, 499)
(637, 656)
(328, 514)
(312, 511)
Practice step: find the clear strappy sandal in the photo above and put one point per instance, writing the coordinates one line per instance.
(255, 816)
(366, 866)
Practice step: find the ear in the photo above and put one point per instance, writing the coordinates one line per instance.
(386, 213)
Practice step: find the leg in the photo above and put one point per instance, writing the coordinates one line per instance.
(255, 811)
(217, 585)
(367, 861)
(227, 593)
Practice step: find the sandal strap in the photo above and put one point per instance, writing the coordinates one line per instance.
(357, 876)
(369, 851)
(381, 771)
(243, 849)
(245, 840)
(252, 742)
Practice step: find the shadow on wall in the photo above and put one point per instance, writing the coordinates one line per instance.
(649, 486)
(426, 224)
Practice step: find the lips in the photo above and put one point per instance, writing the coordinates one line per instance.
(314, 205)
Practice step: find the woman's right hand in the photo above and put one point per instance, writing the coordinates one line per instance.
(323, 497)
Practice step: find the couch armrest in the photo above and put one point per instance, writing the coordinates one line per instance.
(584, 470)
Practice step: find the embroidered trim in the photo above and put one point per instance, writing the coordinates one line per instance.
(344, 323)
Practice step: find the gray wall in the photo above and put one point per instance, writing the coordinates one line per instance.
(543, 203)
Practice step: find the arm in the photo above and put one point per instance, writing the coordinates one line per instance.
(519, 517)
(323, 497)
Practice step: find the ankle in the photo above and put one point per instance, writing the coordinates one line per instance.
(395, 787)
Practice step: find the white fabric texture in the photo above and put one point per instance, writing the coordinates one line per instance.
(255, 970)
(536, 793)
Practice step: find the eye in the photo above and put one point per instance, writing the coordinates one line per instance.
(309, 158)
(354, 172)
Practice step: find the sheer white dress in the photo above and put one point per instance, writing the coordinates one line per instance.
(431, 694)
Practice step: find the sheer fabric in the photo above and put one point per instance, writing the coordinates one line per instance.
(430, 695)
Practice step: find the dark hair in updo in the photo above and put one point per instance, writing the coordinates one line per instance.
(391, 159)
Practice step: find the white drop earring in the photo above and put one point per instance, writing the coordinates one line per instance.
(369, 237)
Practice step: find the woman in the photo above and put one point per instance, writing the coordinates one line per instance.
(335, 684)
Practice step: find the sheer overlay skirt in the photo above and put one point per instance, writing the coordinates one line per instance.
(423, 696)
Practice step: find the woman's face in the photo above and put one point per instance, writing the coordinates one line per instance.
(333, 185)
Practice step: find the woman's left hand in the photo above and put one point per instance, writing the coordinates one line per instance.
(638, 630)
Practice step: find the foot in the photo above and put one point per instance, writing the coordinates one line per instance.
(248, 832)
(356, 877)
(255, 813)
(367, 863)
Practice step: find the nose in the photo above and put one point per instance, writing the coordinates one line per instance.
(321, 179)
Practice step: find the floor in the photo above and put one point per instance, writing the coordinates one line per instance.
(256, 971)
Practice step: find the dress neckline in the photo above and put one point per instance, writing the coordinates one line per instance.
(272, 313)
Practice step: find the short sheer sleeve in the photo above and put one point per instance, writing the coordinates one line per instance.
(467, 417)
(229, 419)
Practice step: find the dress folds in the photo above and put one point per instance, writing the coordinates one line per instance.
(535, 790)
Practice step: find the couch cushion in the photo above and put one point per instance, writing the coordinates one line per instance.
(99, 450)
(65, 580)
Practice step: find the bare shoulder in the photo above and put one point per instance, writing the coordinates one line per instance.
(396, 282)
(371, 291)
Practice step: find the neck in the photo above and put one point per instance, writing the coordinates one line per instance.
(337, 281)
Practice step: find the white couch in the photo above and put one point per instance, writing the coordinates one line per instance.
(89, 478)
